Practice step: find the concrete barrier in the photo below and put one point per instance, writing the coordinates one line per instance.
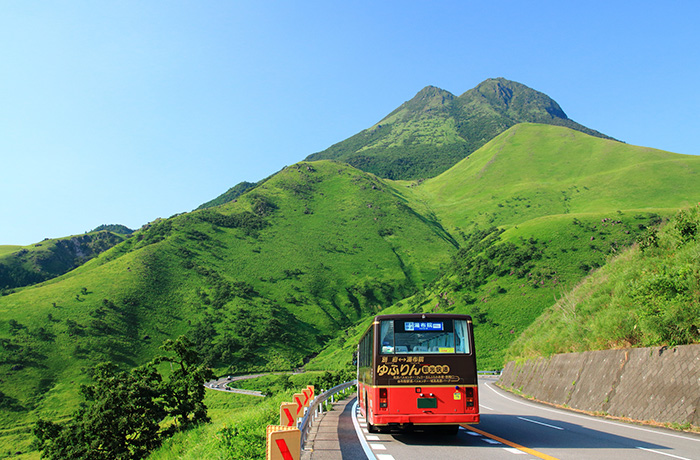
(660, 384)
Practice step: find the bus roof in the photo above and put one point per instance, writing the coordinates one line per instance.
(425, 316)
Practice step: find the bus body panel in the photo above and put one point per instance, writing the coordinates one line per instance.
(441, 405)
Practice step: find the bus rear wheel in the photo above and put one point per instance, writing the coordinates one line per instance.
(370, 428)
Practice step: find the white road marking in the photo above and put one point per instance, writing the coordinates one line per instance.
(513, 450)
(378, 446)
(570, 414)
(540, 423)
(372, 437)
(471, 433)
(385, 457)
(485, 407)
(491, 441)
(663, 453)
(363, 443)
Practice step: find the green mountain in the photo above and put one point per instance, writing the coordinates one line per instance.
(23, 266)
(433, 131)
(259, 284)
(534, 211)
(230, 195)
(294, 267)
(114, 228)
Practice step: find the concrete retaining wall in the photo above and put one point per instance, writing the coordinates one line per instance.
(660, 384)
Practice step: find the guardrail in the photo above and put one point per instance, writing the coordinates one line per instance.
(316, 408)
(489, 372)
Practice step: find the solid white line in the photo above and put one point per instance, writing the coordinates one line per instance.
(360, 436)
(540, 423)
(588, 417)
(663, 453)
(487, 408)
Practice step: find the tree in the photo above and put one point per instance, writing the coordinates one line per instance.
(123, 410)
(120, 419)
(184, 391)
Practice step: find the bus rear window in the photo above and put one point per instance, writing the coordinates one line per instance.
(420, 337)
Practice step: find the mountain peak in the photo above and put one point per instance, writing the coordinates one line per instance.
(430, 97)
(434, 130)
(517, 101)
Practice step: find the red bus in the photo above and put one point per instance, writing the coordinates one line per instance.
(418, 370)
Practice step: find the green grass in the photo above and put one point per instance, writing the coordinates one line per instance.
(532, 171)
(8, 249)
(649, 295)
(237, 430)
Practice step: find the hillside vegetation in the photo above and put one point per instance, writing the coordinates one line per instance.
(23, 266)
(534, 211)
(647, 296)
(433, 131)
(295, 266)
(258, 284)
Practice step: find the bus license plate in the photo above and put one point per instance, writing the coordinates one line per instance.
(427, 403)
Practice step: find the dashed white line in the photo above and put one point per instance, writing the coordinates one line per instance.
(662, 453)
(487, 385)
(513, 450)
(385, 457)
(540, 423)
(378, 446)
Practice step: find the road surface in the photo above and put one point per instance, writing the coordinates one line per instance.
(514, 428)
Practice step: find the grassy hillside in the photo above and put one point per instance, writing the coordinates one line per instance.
(230, 195)
(533, 170)
(433, 131)
(22, 266)
(259, 284)
(649, 295)
(264, 282)
(8, 249)
(534, 211)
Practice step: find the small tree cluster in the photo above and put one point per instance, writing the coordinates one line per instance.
(123, 411)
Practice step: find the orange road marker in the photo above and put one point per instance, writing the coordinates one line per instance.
(511, 444)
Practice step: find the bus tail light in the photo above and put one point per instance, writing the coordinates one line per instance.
(383, 398)
(469, 396)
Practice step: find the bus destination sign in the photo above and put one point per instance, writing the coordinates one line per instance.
(423, 326)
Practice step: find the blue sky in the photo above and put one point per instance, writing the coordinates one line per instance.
(125, 111)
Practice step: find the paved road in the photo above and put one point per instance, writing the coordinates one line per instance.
(511, 426)
(222, 385)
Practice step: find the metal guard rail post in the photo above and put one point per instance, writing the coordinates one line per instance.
(311, 413)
